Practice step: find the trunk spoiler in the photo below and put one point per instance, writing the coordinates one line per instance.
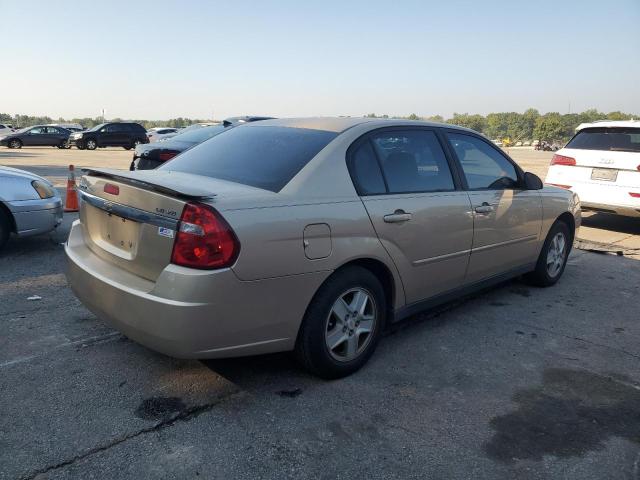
(172, 183)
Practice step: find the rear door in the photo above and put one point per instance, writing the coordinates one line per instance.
(507, 218)
(53, 136)
(420, 214)
(111, 135)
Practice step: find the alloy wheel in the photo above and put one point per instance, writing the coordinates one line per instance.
(556, 254)
(350, 324)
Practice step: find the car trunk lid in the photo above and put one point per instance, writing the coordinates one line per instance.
(130, 219)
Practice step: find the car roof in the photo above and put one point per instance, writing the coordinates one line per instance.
(340, 124)
(609, 124)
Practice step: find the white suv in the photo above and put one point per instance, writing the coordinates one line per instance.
(601, 163)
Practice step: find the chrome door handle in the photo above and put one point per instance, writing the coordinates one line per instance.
(484, 208)
(398, 216)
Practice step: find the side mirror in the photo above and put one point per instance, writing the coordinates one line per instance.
(532, 181)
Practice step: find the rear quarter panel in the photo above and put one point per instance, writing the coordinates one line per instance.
(273, 244)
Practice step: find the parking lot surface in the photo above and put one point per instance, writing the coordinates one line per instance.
(514, 382)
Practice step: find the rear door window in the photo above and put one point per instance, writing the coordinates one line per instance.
(266, 157)
(365, 170)
(483, 165)
(412, 161)
(607, 139)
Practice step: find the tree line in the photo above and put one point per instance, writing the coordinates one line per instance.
(530, 125)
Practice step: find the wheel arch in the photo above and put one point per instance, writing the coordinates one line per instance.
(568, 219)
(390, 284)
(12, 221)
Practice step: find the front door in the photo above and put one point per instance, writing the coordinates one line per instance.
(36, 137)
(422, 220)
(507, 218)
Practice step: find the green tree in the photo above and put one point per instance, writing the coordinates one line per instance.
(549, 127)
(435, 118)
(474, 122)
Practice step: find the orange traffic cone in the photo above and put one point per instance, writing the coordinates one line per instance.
(71, 202)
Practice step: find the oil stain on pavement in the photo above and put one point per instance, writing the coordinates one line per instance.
(160, 408)
(571, 413)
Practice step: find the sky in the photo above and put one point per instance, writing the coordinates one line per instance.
(198, 59)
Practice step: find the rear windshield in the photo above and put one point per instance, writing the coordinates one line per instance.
(609, 139)
(200, 134)
(266, 157)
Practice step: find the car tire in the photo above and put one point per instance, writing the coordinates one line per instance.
(80, 145)
(128, 147)
(91, 144)
(333, 340)
(15, 143)
(553, 257)
(5, 229)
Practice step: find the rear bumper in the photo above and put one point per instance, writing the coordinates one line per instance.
(190, 313)
(611, 197)
(33, 217)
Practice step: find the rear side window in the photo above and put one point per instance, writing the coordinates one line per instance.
(608, 139)
(484, 167)
(365, 171)
(266, 157)
(412, 161)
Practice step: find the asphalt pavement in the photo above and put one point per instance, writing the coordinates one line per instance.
(514, 382)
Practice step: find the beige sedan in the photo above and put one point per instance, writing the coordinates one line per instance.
(310, 235)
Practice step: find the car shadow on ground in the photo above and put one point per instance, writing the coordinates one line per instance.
(252, 373)
(14, 154)
(613, 223)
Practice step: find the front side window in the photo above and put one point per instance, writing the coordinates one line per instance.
(266, 157)
(412, 161)
(484, 167)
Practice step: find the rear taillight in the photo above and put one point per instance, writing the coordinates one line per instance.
(634, 194)
(562, 160)
(164, 156)
(566, 187)
(204, 239)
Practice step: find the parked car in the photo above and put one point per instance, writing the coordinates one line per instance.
(29, 204)
(116, 134)
(37, 136)
(243, 119)
(152, 155)
(157, 133)
(309, 235)
(601, 163)
(5, 129)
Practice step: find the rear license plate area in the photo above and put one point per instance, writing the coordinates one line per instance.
(606, 174)
(120, 232)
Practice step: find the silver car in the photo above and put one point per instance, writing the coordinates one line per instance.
(310, 235)
(29, 204)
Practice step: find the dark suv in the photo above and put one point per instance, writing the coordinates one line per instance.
(120, 134)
